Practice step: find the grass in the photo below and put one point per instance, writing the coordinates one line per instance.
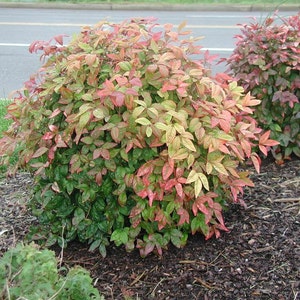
(4, 123)
(246, 2)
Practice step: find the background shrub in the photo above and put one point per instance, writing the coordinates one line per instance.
(130, 140)
(266, 63)
(26, 272)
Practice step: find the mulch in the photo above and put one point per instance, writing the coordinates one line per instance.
(258, 259)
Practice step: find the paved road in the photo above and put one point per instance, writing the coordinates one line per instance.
(19, 27)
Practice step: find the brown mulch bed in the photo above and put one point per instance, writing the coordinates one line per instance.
(258, 259)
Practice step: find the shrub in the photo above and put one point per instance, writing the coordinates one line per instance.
(130, 140)
(26, 272)
(266, 62)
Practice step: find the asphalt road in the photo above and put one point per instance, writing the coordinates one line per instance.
(20, 27)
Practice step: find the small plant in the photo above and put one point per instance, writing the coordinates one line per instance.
(266, 63)
(130, 140)
(26, 272)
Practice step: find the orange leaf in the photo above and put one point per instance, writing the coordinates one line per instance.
(256, 161)
(264, 137)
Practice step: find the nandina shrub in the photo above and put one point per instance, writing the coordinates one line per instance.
(130, 140)
(266, 62)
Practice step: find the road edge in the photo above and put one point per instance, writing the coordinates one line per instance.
(150, 6)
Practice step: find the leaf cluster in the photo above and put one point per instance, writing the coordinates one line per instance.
(266, 62)
(26, 272)
(131, 140)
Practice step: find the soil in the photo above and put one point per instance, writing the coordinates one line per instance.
(258, 259)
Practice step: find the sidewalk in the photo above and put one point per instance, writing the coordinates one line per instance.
(151, 6)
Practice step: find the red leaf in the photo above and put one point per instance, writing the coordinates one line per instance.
(48, 136)
(265, 141)
(98, 178)
(145, 169)
(179, 172)
(115, 134)
(161, 219)
(105, 154)
(256, 161)
(51, 153)
(143, 194)
(148, 248)
(136, 82)
(264, 137)
(263, 149)
(39, 152)
(219, 216)
(225, 125)
(170, 183)
(167, 86)
(59, 39)
(118, 99)
(151, 196)
(135, 211)
(179, 190)
(246, 147)
(129, 146)
(184, 216)
(167, 170)
(56, 112)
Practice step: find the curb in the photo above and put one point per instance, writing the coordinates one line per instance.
(150, 6)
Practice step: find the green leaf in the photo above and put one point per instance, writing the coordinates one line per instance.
(102, 250)
(79, 215)
(149, 131)
(204, 181)
(152, 112)
(84, 119)
(125, 65)
(181, 154)
(169, 105)
(99, 113)
(192, 177)
(179, 128)
(170, 134)
(87, 140)
(176, 238)
(198, 187)
(120, 236)
(154, 46)
(161, 126)
(143, 121)
(170, 207)
(220, 168)
(137, 111)
(218, 134)
(187, 143)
